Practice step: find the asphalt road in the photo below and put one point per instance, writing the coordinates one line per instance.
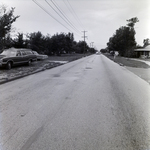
(88, 104)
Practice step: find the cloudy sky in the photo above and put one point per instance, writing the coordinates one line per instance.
(99, 18)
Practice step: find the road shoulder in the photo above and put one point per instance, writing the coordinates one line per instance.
(141, 72)
(137, 66)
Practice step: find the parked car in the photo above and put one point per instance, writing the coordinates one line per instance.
(40, 56)
(11, 57)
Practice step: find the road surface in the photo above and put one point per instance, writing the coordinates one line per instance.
(88, 104)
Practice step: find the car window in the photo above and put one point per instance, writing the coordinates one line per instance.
(34, 52)
(18, 54)
(28, 52)
(24, 53)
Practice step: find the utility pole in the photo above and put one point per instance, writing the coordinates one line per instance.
(92, 44)
(84, 39)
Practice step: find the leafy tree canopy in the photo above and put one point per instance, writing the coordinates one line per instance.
(132, 21)
(123, 40)
(50, 45)
(146, 42)
(6, 20)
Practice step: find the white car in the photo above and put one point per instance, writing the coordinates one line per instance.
(40, 56)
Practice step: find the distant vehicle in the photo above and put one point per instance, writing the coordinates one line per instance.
(97, 53)
(40, 56)
(11, 57)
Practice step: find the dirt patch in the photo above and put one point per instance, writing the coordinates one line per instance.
(51, 62)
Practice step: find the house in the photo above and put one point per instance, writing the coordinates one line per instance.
(143, 52)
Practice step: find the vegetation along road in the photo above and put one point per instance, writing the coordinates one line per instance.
(90, 103)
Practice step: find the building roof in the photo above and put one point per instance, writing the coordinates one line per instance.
(147, 48)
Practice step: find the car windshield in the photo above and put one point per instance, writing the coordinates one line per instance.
(35, 53)
(9, 53)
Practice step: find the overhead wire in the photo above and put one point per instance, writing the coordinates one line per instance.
(61, 14)
(73, 12)
(50, 14)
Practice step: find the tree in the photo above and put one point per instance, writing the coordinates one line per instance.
(132, 21)
(36, 41)
(48, 45)
(146, 42)
(103, 50)
(19, 42)
(81, 47)
(58, 43)
(8, 41)
(69, 42)
(61, 43)
(6, 20)
(123, 40)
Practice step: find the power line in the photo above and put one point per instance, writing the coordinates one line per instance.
(62, 13)
(50, 14)
(73, 13)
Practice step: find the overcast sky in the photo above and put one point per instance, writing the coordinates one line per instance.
(100, 18)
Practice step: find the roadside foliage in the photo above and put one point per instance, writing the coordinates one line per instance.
(123, 40)
(60, 43)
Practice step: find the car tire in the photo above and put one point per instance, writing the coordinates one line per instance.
(9, 65)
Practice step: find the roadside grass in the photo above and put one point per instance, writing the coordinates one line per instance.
(54, 61)
(24, 70)
(127, 61)
(67, 57)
